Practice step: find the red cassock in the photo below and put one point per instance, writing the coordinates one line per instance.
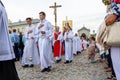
(82, 45)
(117, 1)
(57, 45)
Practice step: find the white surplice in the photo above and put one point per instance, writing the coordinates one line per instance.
(115, 55)
(6, 49)
(79, 44)
(69, 46)
(30, 55)
(44, 42)
(75, 45)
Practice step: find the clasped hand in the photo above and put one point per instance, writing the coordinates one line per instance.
(41, 25)
(30, 31)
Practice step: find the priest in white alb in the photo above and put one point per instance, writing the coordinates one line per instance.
(30, 56)
(79, 45)
(7, 65)
(44, 31)
(75, 44)
(68, 37)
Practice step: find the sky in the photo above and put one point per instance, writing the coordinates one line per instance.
(88, 13)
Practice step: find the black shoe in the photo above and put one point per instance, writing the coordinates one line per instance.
(57, 61)
(78, 52)
(31, 65)
(70, 61)
(48, 69)
(66, 62)
(60, 60)
(75, 54)
(25, 66)
(44, 70)
(16, 59)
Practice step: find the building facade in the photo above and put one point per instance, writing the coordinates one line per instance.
(84, 32)
(21, 25)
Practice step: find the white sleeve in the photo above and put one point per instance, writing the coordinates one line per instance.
(34, 29)
(0, 10)
(71, 35)
(51, 37)
(0, 23)
(64, 36)
(0, 18)
(50, 29)
(60, 37)
(34, 35)
(25, 32)
(37, 31)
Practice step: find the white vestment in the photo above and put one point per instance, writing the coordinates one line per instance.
(30, 55)
(75, 45)
(69, 45)
(6, 49)
(50, 48)
(85, 43)
(79, 44)
(45, 46)
(115, 55)
(51, 52)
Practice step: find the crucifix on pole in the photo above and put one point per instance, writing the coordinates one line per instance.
(55, 12)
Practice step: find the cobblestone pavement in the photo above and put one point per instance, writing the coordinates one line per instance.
(79, 69)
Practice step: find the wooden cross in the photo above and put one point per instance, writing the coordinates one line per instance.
(55, 12)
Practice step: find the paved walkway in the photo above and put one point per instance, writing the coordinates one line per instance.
(80, 69)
